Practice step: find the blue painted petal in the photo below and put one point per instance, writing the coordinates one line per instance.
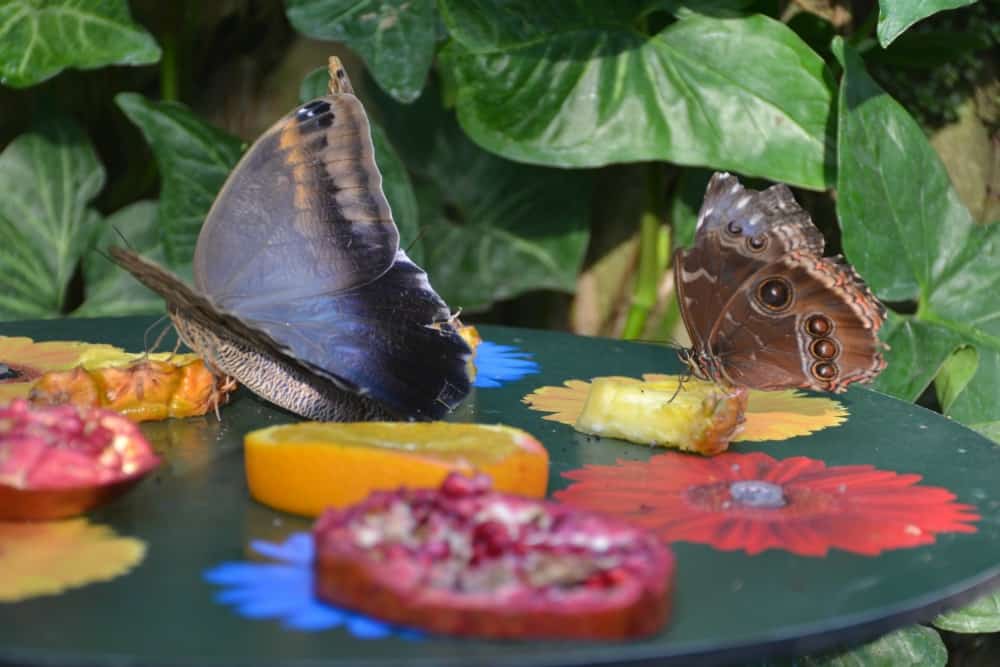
(496, 364)
(367, 628)
(298, 548)
(314, 617)
(284, 590)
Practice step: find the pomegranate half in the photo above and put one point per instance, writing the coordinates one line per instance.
(61, 461)
(465, 560)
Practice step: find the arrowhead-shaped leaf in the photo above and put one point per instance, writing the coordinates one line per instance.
(194, 160)
(744, 94)
(111, 292)
(40, 39)
(396, 38)
(908, 234)
(48, 177)
(895, 16)
(492, 229)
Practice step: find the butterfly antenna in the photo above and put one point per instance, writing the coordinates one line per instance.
(122, 237)
(420, 235)
(159, 338)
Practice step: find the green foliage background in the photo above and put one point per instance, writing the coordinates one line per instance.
(532, 150)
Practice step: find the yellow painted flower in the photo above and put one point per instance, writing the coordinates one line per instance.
(51, 557)
(770, 415)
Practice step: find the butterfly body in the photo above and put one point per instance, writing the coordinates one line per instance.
(301, 290)
(763, 307)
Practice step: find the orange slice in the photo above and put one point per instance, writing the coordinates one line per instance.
(306, 467)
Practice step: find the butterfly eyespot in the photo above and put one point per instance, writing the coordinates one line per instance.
(823, 348)
(757, 243)
(818, 325)
(824, 370)
(734, 228)
(774, 293)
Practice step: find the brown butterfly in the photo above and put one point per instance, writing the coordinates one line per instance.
(763, 307)
(302, 292)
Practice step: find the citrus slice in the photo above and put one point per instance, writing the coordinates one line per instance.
(306, 467)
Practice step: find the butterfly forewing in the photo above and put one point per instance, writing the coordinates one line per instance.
(302, 214)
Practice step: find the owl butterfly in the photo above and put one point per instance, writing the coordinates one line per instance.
(763, 307)
(301, 290)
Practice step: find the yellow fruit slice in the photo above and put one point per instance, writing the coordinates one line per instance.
(306, 467)
(692, 414)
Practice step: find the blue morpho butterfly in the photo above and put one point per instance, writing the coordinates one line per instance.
(302, 292)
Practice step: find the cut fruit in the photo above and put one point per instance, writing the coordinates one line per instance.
(143, 390)
(685, 413)
(305, 468)
(472, 338)
(57, 462)
(465, 560)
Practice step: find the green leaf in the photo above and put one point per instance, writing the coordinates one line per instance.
(916, 646)
(744, 94)
(40, 38)
(894, 196)
(955, 374)
(910, 236)
(395, 179)
(111, 292)
(396, 38)
(194, 160)
(48, 177)
(918, 350)
(492, 229)
(983, 615)
(896, 16)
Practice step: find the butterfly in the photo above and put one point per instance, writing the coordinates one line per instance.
(763, 307)
(301, 291)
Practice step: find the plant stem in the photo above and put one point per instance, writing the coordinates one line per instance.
(651, 255)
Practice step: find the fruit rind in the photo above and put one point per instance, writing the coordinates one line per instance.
(400, 582)
(320, 467)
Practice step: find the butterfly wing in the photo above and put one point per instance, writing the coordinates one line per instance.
(300, 252)
(738, 232)
(302, 214)
(801, 321)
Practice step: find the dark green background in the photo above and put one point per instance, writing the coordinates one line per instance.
(195, 513)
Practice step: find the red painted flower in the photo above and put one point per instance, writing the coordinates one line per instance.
(754, 502)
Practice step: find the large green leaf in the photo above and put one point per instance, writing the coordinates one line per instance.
(396, 38)
(910, 236)
(492, 229)
(983, 615)
(48, 177)
(745, 94)
(194, 160)
(40, 38)
(895, 16)
(916, 646)
(395, 179)
(111, 292)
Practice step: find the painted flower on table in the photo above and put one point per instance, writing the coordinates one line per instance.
(770, 415)
(50, 557)
(753, 502)
(498, 364)
(283, 589)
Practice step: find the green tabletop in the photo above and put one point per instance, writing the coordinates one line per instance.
(194, 513)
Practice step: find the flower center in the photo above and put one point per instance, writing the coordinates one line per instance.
(757, 494)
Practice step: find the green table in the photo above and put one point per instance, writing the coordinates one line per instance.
(729, 606)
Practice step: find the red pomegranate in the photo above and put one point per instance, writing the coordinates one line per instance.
(61, 461)
(465, 560)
